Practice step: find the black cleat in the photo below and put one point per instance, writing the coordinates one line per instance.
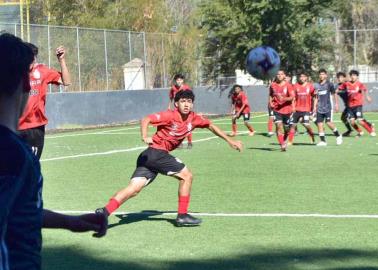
(103, 215)
(190, 146)
(347, 133)
(187, 220)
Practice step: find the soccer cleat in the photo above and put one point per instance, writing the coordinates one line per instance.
(372, 133)
(289, 143)
(347, 133)
(103, 217)
(283, 147)
(360, 134)
(321, 143)
(270, 134)
(190, 145)
(187, 220)
(232, 134)
(251, 133)
(339, 140)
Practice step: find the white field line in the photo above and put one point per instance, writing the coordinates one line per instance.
(268, 215)
(111, 152)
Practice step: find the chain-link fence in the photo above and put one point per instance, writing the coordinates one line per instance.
(96, 58)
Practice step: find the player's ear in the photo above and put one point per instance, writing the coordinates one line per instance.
(176, 104)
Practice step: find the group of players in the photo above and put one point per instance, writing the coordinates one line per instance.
(290, 104)
(22, 215)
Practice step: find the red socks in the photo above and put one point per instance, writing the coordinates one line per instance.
(291, 135)
(190, 138)
(280, 138)
(270, 125)
(183, 204)
(366, 126)
(112, 205)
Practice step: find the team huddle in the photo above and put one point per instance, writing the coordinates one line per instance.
(304, 101)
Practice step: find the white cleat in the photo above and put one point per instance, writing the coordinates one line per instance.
(251, 133)
(373, 134)
(321, 143)
(339, 140)
(270, 134)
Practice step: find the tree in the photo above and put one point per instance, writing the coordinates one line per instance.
(293, 27)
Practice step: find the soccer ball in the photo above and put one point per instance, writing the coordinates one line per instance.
(263, 63)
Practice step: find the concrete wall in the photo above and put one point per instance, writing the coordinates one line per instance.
(73, 110)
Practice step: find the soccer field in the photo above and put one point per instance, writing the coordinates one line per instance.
(308, 208)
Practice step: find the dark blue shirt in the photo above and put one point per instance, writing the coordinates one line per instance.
(20, 204)
(324, 92)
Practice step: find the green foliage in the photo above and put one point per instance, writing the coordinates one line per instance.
(292, 27)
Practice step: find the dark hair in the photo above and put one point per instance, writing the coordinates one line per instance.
(282, 71)
(188, 94)
(232, 91)
(302, 72)
(340, 74)
(33, 48)
(178, 76)
(355, 72)
(15, 59)
(322, 70)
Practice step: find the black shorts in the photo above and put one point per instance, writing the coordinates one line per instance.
(270, 112)
(153, 161)
(355, 112)
(321, 117)
(35, 138)
(246, 116)
(297, 116)
(284, 118)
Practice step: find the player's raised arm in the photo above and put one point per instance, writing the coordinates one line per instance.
(237, 145)
(144, 130)
(60, 54)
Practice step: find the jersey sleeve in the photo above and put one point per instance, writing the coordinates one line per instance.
(290, 91)
(342, 86)
(200, 121)
(160, 118)
(53, 76)
(244, 99)
(332, 88)
(363, 87)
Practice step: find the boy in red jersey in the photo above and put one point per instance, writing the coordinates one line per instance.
(280, 99)
(172, 128)
(177, 86)
(304, 93)
(356, 92)
(33, 121)
(239, 107)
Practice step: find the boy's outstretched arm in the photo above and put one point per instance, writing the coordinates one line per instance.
(237, 145)
(144, 130)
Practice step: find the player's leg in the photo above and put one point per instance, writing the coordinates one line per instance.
(332, 126)
(280, 130)
(233, 126)
(246, 118)
(293, 124)
(185, 178)
(270, 122)
(345, 120)
(190, 140)
(320, 124)
(363, 122)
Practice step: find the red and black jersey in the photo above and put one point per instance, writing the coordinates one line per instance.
(172, 130)
(34, 113)
(175, 89)
(277, 92)
(240, 99)
(354, 92)
(304, 93)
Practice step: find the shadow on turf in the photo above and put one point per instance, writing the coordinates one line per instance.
(264, 148)
(62, 258)
(148, 215)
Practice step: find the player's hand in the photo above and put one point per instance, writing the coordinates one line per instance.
(368, 98)
(60, 52)
(147, 140)
(237, 145)
(336, 108)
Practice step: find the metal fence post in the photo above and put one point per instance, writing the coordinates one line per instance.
(354, 48)
(78, 56)
(164, 70)
(106, 62)
(129, 47)
(145, 59)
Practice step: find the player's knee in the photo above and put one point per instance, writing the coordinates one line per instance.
(187, 176)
